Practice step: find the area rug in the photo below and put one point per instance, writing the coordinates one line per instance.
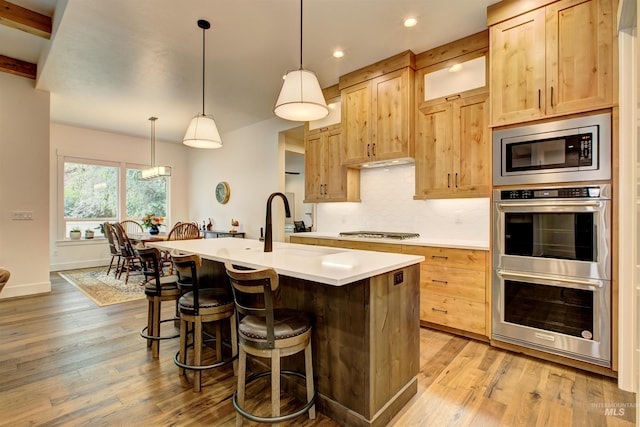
(102, 289)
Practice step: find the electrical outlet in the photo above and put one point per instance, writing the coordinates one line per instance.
(398, 277)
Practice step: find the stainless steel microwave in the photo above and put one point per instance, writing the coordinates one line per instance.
(568, 150)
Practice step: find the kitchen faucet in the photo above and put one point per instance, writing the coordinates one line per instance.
(268, 234)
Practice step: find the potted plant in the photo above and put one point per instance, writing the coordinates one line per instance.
(75, 234)
(88, 234)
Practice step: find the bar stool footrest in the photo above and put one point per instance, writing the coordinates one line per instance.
(202, 367)
(143, 331)
(281, 418)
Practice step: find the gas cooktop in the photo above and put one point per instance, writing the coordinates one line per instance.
(379, 234)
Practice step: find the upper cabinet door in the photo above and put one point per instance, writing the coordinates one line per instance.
(579, 55)
(517, 52)
(471, 146)
(392, 103)
(356, 127)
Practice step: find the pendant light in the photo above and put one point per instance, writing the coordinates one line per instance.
(301, 97)
(202, 131)
(155, 171)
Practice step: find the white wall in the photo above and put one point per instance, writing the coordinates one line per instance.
(94, 144)
(387, 205)
(24, 185)
(252, 162)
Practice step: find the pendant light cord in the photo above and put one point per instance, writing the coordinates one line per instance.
(203, 61)
(301, 34)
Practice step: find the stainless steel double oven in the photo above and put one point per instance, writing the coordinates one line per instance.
(551, 278)
(552, 270)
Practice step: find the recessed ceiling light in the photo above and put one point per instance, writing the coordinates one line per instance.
(338, 53)
(410, 22)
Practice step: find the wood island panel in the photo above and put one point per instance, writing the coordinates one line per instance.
(365, 342)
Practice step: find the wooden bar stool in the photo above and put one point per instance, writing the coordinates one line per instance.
(157, 288)
(268, 332)
(196, 307)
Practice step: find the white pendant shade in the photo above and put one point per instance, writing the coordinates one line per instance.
(301, 97)
(202, 133)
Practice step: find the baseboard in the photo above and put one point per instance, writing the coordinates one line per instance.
(27, 289)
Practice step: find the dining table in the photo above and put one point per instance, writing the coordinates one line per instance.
(137, 238)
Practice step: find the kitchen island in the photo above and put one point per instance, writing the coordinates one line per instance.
(365, 307)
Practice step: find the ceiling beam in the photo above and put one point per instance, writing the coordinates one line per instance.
(17, 67)
(26, 20)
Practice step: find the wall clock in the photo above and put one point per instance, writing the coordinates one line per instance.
(223, 192)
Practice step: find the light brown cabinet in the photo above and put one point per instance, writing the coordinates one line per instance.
(553, 60)
(453, 148)
(453, 282)
(453, 288)
(326, 180)
(377, 118)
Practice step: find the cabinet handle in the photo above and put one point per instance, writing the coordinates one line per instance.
(444, 257)
(321, 193)
(456, 179)
(368, 153)
(539, 97)
(448, 180)
(444, 282)
(325, 189)
(552, 96)
(451, 98)
(439, 310)
(324, 129)
(373, 149)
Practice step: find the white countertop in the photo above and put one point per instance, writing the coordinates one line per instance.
(332, 266)
(418, 241)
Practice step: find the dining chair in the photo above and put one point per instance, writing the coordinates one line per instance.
(114, 247)
(131, 226)
(130, 259)
(184, 231)
(268, 332)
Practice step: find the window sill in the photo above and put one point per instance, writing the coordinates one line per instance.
(94, 241)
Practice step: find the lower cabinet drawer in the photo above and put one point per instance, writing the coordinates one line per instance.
(453, 312)
(453, 282)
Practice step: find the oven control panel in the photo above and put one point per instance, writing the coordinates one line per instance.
(551, 193)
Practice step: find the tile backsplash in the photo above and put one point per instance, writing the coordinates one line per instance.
(388, 205)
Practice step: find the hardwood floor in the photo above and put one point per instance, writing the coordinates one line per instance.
(65, 361)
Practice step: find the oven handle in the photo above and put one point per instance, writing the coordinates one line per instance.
(547, 204)
(588, 284)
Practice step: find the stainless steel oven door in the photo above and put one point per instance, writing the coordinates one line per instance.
(567, 237)
(561, 315)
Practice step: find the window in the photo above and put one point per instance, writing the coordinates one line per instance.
(91, 194)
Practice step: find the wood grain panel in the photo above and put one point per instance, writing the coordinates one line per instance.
(455, 282)
(377, 69)
(453, 312)
(579, 55)
(518, 68)
(449, 257)
(453, 50)
(472, 146)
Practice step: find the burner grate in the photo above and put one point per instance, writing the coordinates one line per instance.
(379, 234)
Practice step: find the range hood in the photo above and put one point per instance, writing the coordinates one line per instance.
(385, 163)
